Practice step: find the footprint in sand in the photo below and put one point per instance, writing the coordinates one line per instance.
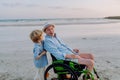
(108, 61)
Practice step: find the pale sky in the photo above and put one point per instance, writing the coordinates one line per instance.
(58, 8)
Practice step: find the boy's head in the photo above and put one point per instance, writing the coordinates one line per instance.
(36, 36)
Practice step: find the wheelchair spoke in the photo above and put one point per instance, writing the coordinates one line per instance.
(60, 73)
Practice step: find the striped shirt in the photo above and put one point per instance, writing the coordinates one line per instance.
(42, 62)
(56, 47)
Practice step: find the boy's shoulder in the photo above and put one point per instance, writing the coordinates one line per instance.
(37, 44)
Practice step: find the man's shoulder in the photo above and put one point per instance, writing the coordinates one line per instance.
(47, 38)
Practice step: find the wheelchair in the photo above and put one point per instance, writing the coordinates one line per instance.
(68, 70)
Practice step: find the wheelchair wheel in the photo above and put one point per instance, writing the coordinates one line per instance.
(88, 76)
(59, 75)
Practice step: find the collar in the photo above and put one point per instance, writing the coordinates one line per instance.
(38, 44)
(55, 35)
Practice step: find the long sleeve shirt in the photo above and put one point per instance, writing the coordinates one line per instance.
(43, 61)
(55, 46)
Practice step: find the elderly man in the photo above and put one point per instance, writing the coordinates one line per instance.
(54, 45)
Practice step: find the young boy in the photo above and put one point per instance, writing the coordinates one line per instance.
(40, 57)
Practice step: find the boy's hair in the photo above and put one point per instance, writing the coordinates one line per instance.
(35, 35)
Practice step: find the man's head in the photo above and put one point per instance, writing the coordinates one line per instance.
(49, 29)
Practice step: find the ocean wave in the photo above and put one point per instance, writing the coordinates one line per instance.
(56, 21)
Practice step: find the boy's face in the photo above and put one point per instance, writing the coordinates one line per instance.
(50, 31)
(40, 39)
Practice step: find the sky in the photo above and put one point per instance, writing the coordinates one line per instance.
(58, 8)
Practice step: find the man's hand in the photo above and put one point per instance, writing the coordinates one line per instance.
(72, 56)
(76, 50)
(75, 56)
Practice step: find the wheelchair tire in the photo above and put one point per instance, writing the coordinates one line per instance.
(88, 77)
(55, 76)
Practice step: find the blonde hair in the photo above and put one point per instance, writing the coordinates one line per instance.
(36, 35)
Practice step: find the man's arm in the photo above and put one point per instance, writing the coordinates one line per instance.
(72, 56)
(51, 48)
(76, 51)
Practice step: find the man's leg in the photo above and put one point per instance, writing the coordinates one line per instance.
(87, 56)
(88, 62)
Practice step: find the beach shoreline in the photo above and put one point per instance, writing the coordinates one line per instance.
(16, 57)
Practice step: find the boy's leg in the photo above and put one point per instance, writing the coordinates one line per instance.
(37, 76)
(41, 73)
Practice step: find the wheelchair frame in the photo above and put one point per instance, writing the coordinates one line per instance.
(61, 68)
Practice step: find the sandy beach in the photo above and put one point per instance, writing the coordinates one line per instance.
(103, 40)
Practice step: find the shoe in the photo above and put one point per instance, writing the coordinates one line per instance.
(47, 75)
(88, 77)
(68, 76)
(54, 79)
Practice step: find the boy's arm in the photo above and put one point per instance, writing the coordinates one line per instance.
(41, 54)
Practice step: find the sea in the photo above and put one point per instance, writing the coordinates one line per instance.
(57, 21)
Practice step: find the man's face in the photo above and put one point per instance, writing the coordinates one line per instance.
(50, 31)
